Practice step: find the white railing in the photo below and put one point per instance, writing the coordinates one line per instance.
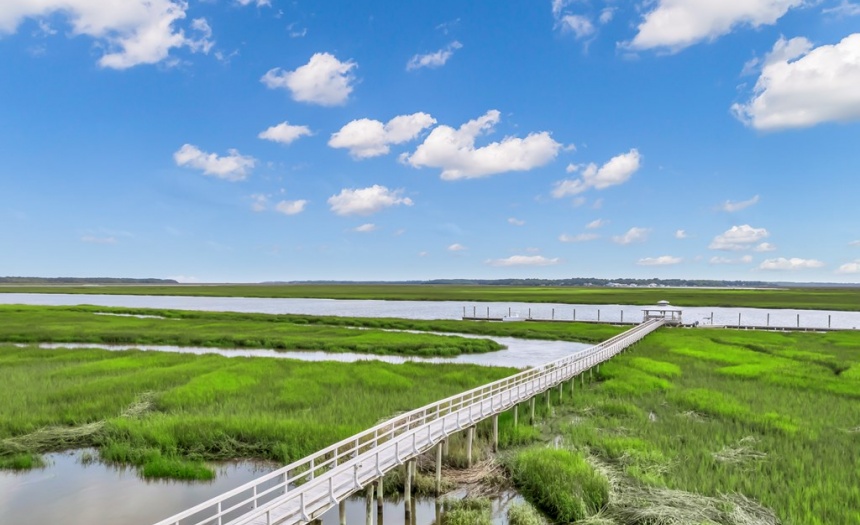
(313, 484)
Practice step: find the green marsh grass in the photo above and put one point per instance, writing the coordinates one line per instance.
(39, 324)
(723, 425)
(200, 408)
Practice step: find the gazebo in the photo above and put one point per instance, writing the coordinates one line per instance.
(664, 311)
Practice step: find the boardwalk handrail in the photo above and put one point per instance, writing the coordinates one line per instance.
(288, 482)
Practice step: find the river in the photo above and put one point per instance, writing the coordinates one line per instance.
(788, 318)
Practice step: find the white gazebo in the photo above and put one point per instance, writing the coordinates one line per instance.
(664, 311)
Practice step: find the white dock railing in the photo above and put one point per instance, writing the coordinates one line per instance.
(306, 488)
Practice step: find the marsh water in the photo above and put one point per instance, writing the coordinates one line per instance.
(72, 490)
(788, 318)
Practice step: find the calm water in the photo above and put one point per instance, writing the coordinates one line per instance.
(441, 309)
(69, 492)
(520, 353)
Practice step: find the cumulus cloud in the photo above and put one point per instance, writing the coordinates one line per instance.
(454, 151)
(285, 133)
(433, 60)
(854, 243)
(365, 228)
(258, 3)
(733, 206)
(133, 32)
(738, 238)
(790, 264)
(765, 247)
(606, 15)
(456, 247)
(633, 235)
(579, 25)
(597, 223)
(524, 260)
(366, 201)
(365, 138)
(515, 221)
(681, 234)
(324, 80)
(851, 267)
(233, 166)
(801, 86)
(676, 24)
(663, 260)
(617, 170)
(291, 207)
(582, 237)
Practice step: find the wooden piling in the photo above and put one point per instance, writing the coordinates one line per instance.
(516, 415)
(438, 469)
(470, 436)
(496, 433)
(369, 505)
(341, 511)
(379, 499)
(532, 411)
(407, 489)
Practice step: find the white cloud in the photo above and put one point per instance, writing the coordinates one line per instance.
(133, 32)
(524, 260)
(854, 243)
(232, 167)
(677, 24)
(285, 133)
(456, 247)
(765, 247)
(515, 221)
(259, 202)
(681, 234)
(617, 170)
(291, 207)
(801, 86)
(258, 3)
(852, 267)
(597, 223)
(92, 239)
(746, 259)
(324, 80)
(845, 8)
(454, 150)
(366, 201)
(738, 238)
(365, 228)
(558, 6)
(606, 15)
(582, 237)
(633, 235)
(367, 138)
(663, 260)
(433, 60)
(790, 264)
(732, 206)
(579, 25)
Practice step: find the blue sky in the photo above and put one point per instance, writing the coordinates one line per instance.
(246, 140)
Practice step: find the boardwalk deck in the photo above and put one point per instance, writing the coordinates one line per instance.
(305, 489)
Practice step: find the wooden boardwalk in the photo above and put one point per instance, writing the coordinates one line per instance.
(304, 490)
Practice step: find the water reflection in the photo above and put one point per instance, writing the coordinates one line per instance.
(74, 491)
